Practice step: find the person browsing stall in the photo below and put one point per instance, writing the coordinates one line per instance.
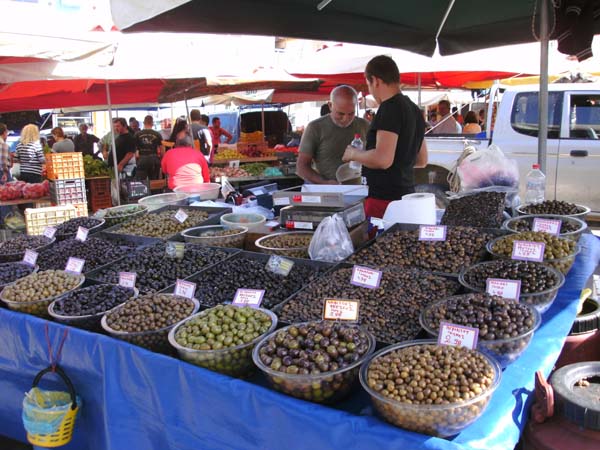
(325, 139)
(61, 143)
(149, 146)
(125, 147)
(395, 143)
(84, 142)
(30, 155)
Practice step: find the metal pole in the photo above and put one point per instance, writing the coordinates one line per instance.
(188, 118)
(543, 97)
(114, 146)
(262, 117)
(419, 91)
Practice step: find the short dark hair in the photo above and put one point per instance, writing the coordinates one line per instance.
(58, 132)
(384, 68)
(214, 119)
(444, 102)
(325, 109)
(471, 117)
(3, 128)
(195, 114)
(148, 120)
(121, 120)
(132, 119)
(204, 118)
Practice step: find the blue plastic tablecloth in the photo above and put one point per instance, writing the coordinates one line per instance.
(136, 399)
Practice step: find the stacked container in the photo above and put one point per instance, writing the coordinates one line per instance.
(67, 180)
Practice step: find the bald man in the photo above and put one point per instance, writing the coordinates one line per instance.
(325, 139)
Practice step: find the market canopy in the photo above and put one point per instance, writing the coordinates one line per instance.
(456, 26)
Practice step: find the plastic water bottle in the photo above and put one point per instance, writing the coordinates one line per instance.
(358, 144)
(535, 185)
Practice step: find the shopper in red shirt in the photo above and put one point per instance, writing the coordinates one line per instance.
(183, 164)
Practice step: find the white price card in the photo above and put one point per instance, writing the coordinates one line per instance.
(340, 309)
(82, 234)
(365, 277)
(281, 201)
(127, 279)
(49, 232)
(75, 265)
(547, 226)
(504, 288)
(310, 199)
(280, 265)
(528, 251)
(457, 335)
(185, 289)
(181, 216)
(248, 297)
(291, 224)
(30, 257)
(235, 164)
(432, 232)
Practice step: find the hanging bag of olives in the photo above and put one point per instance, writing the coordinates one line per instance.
(331, 241)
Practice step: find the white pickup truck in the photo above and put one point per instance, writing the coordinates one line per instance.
(573, 156)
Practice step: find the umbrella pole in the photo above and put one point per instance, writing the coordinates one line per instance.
(543, 99)
(419, 91)
(262, 117)
(189, 119)
(112, 138)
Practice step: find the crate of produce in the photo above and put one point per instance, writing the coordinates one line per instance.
(64, 166)
(37, 219)
(252, 149)
(66, 192)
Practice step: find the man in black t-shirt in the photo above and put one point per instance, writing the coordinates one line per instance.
(124, 145)
(395, 144)
(149, 145)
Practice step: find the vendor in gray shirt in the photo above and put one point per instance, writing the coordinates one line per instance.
(61, 143)
(325, 139)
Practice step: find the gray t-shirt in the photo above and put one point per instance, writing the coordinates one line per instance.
(64, 146)
(326, 142)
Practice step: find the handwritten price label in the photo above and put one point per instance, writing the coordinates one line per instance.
(248, 297)
(185, 288)
(75, 265)
(504, 288)
(30, 257)
(457, 335)
(82, 234)
(365, 277)
(432, 232)
(336, 309)
(49, 232)
(280, 265)
(547, 226)
(127, 279)
(528, 251)
(181, 216)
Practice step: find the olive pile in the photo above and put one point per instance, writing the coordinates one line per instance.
(216, 236)
(14, 249)
(484, 209)
(69, 228)
(463, 246)
(96, 252)
(430, 374)
(145, 321)
(526, 225)
(558, 252)
(12, 271)
(219, 284)
(163, 224)
(315, 349)
(223, 327)
(92, 300)
(557, 207)
(390, 312)
(122, 214)
(29, 291)
(155, 270)
(294, 245)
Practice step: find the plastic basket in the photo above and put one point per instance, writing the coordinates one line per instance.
(100, 196)
(81, 209)
(66, 192)
(36, 219)
(58, 421)
(64, 166)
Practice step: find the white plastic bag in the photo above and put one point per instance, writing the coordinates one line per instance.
(488, 167)
(331, 242)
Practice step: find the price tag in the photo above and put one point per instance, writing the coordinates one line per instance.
(457, 335)
(528, 251)
(235, 164)
(181, 216)
(377, 222)
(281, 201)
(547, 226)
(175, 249)
(248, 297)
(338, 309)
(82, 234)
(30, 257)
(185, 288)
(271, 224)
(279, 265)
(291, 224)
(75, 265)
(127, 279)
(432, 232)
(49, 232)
(365, 277)
(504, 288)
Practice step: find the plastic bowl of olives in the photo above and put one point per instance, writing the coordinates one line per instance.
(249, 220)
(159, 200)
(435, 405)
(505, 326)
(13, 250)
(33, 293)
(293, 244)
(84, 308)
(120, 214)
(571, 227)
(559, 252)
(216, 236)
(314, 361)
(556, 207)
(147, 320)
(539, 282)
(222, 338)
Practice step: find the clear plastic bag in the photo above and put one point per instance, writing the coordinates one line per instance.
(331, 241)
(488, 167)
(43, 411)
